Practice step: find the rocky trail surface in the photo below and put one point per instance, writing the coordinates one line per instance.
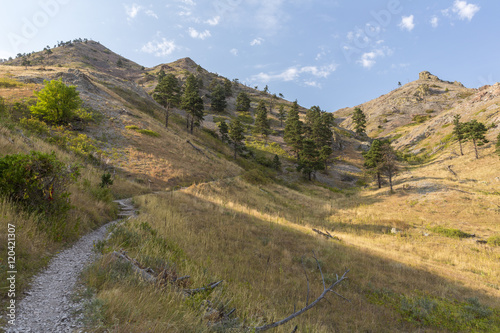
(48, 306)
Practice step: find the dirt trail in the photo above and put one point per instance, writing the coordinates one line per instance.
(47, 306)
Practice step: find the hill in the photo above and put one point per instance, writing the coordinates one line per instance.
(424, 258)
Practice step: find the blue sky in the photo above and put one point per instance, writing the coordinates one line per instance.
(321, 52)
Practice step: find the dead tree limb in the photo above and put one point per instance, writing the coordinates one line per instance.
(308, 307)
(453, 172)
(205, 288)
(197, 149)
(326, 234)
(147, 276)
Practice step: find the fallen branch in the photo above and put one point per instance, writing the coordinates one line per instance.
(197, 149)
(210, 286)
(326, 234)
(144, 273)
(326, 290)
(453, 172)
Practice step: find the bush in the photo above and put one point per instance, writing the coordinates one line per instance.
(57, 102)
(148, 132)
(37, 181)
(452, 233)
(494, 240)
(35, 125)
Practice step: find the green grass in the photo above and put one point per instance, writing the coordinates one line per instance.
(143, 131)
(6, 82)
(449, 232)
(494, 240)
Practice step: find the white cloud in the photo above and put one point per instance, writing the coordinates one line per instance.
(163, 48)
(256, 41)
(313, 84)
(234, 52)
(293, 73)
(368, 59)
(434, 21)
(407, 23)
(189, 2)
(201, 35)
(149, 12)
(132, 10)
(213, 21)
(465, 10)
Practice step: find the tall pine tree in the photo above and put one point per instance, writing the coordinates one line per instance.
(359, 119)
(294, 129)
(475, 131)
(192, 103)
(236, 135)
(242, 102)
(218, 99)
(373, 160)
(458, 131)
(167, 93)
(261, 121)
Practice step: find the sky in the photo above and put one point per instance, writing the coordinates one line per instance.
(329, 53)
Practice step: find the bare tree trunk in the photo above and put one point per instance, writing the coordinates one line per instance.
(461, 151)
(379, 180)
(475, 148)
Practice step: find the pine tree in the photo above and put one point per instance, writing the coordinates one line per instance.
(261, 121)
(373, 160)
(389, 162)
(192, 103)
(318, 128)
(309, 159)
(167, 93)
(359, 119)
(236, 135)
(228, 87)
(223, 131)
(242, 102)
(475, 131)
(276, 164)
(458, 131)
(497, 145)
(218, 97)
(294, 129)
(281, 114)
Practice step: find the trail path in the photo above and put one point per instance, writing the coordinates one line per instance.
(48, 306)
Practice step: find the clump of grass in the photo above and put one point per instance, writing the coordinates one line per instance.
(450, 232)
(6, 82)
(142, 131)
(494, 240)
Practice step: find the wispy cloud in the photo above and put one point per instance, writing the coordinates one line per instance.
(369, 59)
(213, 21)
(200, 35)
(407, 23)
(464, 10)
(234, 52)
(434, 21)
(294, 73)
(134, 9)
(160, 48)
(256, 41)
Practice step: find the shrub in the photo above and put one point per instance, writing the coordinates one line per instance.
(35, 125)
(452, 233)
(37, 181)
(106, 180)
(57, 102)
(494, 240)
(148, 132)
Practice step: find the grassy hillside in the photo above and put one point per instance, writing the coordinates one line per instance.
(424, 258)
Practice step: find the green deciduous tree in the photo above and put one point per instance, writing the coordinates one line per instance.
(261, 121)
(236, 135)
(359, 119)
(218, 99)
(475, 131)
(294, 129)
(242, 102)
(57, 102)
(167, 93)
(192, 103)
(458, 131)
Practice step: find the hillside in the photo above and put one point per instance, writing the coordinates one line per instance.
(421, 259)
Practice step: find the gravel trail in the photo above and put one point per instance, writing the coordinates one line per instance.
(47, 306)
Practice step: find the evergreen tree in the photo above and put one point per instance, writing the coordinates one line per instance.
(294, 129)
(389, 162)
(309, 159)
(223, 131)
(228, 87)
(236, 135)
(167, 93)
(218, 98)
(276, 164)
(261, 121)
(242, 102)
(475, 131)
(161, 75)
(359, 119)
(192, 103)
(497, 145)
(373, 160)
(318, 128)
(458, 131)
(281, 114)
(119, 63)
